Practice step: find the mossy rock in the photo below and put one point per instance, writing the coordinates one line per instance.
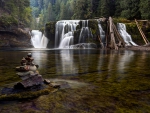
(50, 27)
(42, 29)
(93, 25)
(50, 33)
(26, 94)
(78, 27)
(76, 36)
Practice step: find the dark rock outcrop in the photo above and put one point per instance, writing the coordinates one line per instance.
(12, 33)
(50, 34)
(15, 37)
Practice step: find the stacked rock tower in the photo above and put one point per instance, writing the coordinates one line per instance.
(28, 73)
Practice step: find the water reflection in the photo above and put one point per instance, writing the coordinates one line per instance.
(124, 59)
(116, 79)
(73, 62)
(40, 58)
(67, 62)
(53, 63)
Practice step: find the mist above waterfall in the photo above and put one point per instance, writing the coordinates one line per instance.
(38, 39)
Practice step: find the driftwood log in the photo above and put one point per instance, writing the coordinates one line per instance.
(113, 44)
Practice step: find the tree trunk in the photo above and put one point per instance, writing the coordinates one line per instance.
(112, 38)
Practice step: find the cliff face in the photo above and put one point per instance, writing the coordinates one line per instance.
(14, 38)
(12, 34)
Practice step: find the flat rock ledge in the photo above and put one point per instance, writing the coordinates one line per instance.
(48, 86)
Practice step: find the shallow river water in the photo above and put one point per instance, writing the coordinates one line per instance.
(117, 81)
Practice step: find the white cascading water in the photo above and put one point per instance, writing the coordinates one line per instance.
(85, 32)
(64, 33)
(38, 39)
(102, 32)
(67, 40)
(127, 38)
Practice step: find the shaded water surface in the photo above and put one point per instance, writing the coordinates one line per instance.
(118, 81)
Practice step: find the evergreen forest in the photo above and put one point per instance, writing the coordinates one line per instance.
(36, 13)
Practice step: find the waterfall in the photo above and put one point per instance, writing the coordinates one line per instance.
(38, 40)
(127, 38)
(67, 40)
(102, 32)
(85, 33)
(64, 32)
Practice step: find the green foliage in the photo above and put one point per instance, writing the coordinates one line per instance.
(35, 11)
(50, 33)
(104, 8)
(50, 27)
(34, 3)
(130, 9)
(26, 16)
(144, 8)
(134, 32)
(18, 10)
(95, 4)
(54, 10)
(93, 25)
(7, 20)
(82, 9)
(121, 20)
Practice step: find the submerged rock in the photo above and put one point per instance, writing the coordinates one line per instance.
(46, 81)
(55, 85)
(83, 46)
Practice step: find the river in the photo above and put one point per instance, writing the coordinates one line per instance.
(117, 81)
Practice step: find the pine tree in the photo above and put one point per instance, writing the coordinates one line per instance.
(145, 9)
(49, 12)
(82, 9)
(104, 8)
(95, 4)
(130, 9)
(118, 8)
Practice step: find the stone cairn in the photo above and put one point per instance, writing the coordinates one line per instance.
(28, 73)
